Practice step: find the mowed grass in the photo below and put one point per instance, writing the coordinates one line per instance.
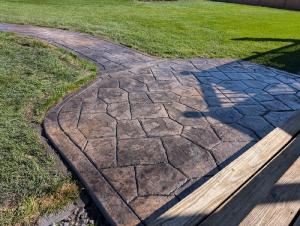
(33, 76)
(191, 28)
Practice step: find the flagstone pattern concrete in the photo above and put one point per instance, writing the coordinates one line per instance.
(147, 129)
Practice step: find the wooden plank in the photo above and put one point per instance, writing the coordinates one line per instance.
(297, 222)
(272, 197)
(203, 201)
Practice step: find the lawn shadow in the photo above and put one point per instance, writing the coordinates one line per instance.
(286, 58)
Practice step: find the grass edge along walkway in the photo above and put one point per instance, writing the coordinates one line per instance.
(185, 29)
(33, 77)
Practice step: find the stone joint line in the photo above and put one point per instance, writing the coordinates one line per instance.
(148, 131)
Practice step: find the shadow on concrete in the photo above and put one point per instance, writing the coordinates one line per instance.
(224, 116)
(259, 191)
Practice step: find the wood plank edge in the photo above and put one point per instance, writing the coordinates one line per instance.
(196, 206)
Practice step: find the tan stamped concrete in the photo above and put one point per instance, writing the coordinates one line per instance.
(148, 131)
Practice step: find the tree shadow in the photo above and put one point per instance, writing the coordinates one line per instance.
(285, 58)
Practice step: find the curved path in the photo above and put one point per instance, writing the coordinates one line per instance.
(148, 131)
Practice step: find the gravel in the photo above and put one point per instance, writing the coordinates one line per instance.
(81, 213)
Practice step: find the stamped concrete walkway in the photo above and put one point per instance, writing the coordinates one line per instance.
(148, 131)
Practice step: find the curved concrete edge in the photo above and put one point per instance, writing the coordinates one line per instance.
(42, 33)
(104, 196)
(114, 208)
(107, 200)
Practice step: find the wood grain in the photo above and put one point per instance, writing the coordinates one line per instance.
(206, 199)
(272, 197)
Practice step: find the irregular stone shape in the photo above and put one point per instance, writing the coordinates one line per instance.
(237, 95)
(209, 90)
(194, 102)
(229, 86)
(152, 206)
(286, 79)
(123, 180)
(226, 68)
(130, 85)
(145, 78)
(238, 76)
(77, 137)
(278, 118)
(112, 95)
(203, 136)
(259, 94)
(202, 64)
(129, 129)
(212, 74)
(257, 124)
(229, 151)
(233, 132)
(119, 110)
(102, 152)
(191, 185)
(203, 74)
(162, 85)
(141, 70)
(184, 115)
(218, 101)
(90, 95)
(290, 100)
(93, 107)
(224, 115)
(140, 151)
(139, 97)
(159, 179)
(264, 78)
(186, 91)
(181, 65)
(188, 80)
(143, 74)
(255, 84)
(243, 101)
(73, 105)
(163, 97)
(162, 73)
(241, 98)
(161, 127)
(97, 125)
(124, 74)
(116, 58)
(277, 89)
(108, 83)
(209, 80)
(144, 110)
(295, 85)
(275, 105)
(183, 154)
(68, 120)
(251, 109)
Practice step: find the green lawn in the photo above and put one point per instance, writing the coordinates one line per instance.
(174, 29)
(33, 75)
